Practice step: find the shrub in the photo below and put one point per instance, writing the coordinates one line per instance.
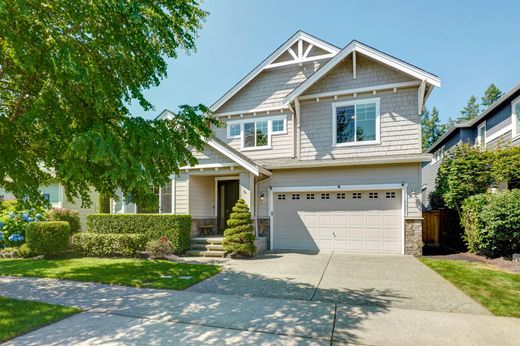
(109, 244)
(104, 203)
(62, 214)
(491, 223)
(154, 226)
(239, 237)
(158, 248)
(48, 238)
(13, 225)
(24, 251)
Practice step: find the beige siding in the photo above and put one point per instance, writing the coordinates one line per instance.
(368, 73)
(357, 175)
(210, 156)
(281, 144)
(202, 196)
(270, 87)
(181, 194)
(83, 212)
(400, 128)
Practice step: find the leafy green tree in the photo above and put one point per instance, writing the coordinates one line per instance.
(432, 128)
(239, 237)
(491, 94)
(466, 171)
(68, 70)
(470, 111)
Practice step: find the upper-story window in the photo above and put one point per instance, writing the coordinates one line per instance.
(516, 117)
(438, 155)
(256, 133)
(481, 136)
(355, 122)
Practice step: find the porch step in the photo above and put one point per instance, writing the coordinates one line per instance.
(204, 253)
(206, 247)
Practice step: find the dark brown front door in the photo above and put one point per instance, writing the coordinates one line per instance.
(226, 199)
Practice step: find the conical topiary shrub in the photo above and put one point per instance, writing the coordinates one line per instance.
(239, 237)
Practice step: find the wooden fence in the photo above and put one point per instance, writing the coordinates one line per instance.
(431, 227)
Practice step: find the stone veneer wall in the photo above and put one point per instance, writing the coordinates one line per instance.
(263, 230)
(195, 223)
(413, 237)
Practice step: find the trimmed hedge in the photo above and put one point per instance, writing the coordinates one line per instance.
(62, 214)
(154, 226)
(491, 223)
(48, 237)
(109, 245)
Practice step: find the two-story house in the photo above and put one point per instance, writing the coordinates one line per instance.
(498, 125)
(323, 143)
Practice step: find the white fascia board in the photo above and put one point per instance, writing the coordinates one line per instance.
(370, 52)
(269, 60)
(256, 170)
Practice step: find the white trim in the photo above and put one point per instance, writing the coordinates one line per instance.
(300, 61)
(174, 194)
(269, 60)
(228, 131)
(479, 141)
(514, 118)
(402, 187)
(251, 111)
(421, 96)
(370, 89)
(256, 170)
(270, 133)
(335, 105)
(217, 179)
(371, 53)
(212, 165)
(499, 133)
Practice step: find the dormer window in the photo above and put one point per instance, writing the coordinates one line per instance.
(355, 122)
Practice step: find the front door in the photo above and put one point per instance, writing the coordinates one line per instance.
(227, 197)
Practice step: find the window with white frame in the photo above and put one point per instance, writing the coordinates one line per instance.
(355, 122)
(516, 117)
(256, 133)
(481, 136)
(438, 155)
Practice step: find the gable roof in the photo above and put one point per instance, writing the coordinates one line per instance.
(298, 36)
(356, 46)
(476, 120)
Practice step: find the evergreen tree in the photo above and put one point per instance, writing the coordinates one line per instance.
(491, 95)
(450, 123)
(239, 237)
(432, 128)
(470, 111)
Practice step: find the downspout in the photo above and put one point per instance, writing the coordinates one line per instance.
(293, 131)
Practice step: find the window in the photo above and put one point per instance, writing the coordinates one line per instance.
(310, 196)
(47, 197)
(356, 195)
(373, 195)
(340, 195)
(481, 136)
(438, 155)
(278, 126)
(516, 117)
(281, 197)
(356, 122)
(234, 131)
(325, 196)
(256, 133)
(295, 196)
(390, 195)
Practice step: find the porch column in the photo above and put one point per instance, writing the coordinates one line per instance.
(247, 186)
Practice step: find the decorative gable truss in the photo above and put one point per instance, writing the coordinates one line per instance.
(303, 50)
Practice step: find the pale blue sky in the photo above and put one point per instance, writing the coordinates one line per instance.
(469, 44)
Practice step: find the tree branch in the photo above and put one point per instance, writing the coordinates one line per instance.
(23, 95)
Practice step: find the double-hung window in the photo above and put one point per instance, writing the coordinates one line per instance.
(356, 122)
(516, 117)
(256, 133)
(481, 136)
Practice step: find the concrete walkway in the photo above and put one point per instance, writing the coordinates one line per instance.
(130, 316)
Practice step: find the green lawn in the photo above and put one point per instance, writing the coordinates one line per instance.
(21, 316)
(497, 290)
(126, 272)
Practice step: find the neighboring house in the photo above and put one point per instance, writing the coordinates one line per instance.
(499, 125)
(55, 194)
(323, 143)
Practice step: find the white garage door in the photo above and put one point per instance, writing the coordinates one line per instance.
(353, 221)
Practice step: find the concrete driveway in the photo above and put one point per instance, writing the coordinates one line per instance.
(383, 281)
